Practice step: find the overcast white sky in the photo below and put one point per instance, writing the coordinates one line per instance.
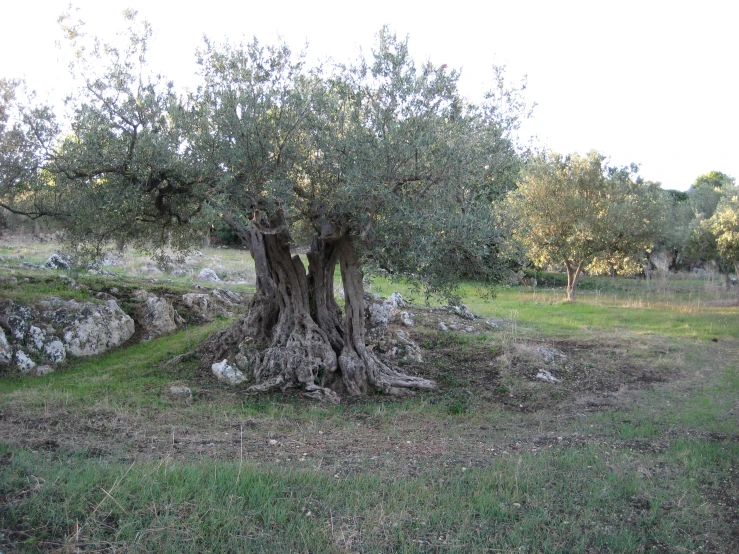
(651, 82)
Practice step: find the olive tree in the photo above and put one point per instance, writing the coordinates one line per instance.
(381, 162)
(578, 212)
(25, 131)
(724, 225)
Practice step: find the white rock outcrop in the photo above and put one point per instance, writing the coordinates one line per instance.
(42, 336)
(383, 312)
(208, 275)
(204, 305)
(97, 328)
(6, 353)
(547, 377)
(391, 344)
(227, 374)
(56, 261)
(24, 363)
(159, 317)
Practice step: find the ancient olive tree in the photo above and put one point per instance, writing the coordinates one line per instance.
(578, 212)
(374, 160)
(380, 161)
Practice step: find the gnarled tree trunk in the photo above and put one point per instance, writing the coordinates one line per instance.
(294, 334)
(359, 365)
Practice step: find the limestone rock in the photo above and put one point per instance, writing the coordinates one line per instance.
(24, 363)
(393, 344)
(203, 305)
(396, 301)
(96, 329)
(461, 311)
(551, 354)
(227, 374)
(55, 351)
(56, 261)
(544, 375)
(208, 275)
(36, 338)
(404, 318)
(6, 353)
(381, 312)
(141, 295)
(226, 296)
(159, 317)
(18, 319)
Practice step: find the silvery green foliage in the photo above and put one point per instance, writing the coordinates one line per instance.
(724, 225)
(382, 150)
(26, 131)
(121, 167)
(577, 212)
(405, 163)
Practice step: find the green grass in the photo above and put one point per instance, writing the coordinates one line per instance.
(682, 308)
(573, 500)
(654, 472)
(129, 375)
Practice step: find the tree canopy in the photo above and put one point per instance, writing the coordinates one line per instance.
(724, 225)
(579, 212)
(25, 132)
(381, 162)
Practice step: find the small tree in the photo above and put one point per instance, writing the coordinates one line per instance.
(699, 243)
(578, 212)
(724, 224)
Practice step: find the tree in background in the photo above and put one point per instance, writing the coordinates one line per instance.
(724, 224)
(699, 241)
(678, 220)
(578, 212)
(705, 192)
(24, 132)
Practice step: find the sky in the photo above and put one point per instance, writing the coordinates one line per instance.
(649, 82)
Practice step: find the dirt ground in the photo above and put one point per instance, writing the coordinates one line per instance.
(489, 404)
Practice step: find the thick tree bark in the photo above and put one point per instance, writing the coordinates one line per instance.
(322, 258)
(294, 334)
(360, 367)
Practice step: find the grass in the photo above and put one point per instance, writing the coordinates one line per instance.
(675, 308)
(634, 452)
(573, 500)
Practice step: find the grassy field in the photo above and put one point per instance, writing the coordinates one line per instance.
(636, 449)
